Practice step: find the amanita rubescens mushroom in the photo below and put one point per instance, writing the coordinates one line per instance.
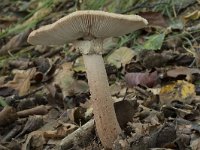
(87, 31)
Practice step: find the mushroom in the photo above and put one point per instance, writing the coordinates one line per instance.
(87, 30)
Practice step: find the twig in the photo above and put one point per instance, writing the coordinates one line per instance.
(81, 134)
(125, 94)
(52, 53)
(39, 110)
(3, 147)
(11, 134)
(16, 97)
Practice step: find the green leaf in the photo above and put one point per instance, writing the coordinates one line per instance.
(176, 24)
(121, 57)
(154, 42)
(2, 102)
(79, 65)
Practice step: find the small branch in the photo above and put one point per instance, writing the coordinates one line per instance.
(39, 110)
(77, 137)
(11, 134)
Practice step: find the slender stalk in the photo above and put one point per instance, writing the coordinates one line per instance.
(104, 114)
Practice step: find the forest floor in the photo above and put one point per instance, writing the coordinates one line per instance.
(153, 74)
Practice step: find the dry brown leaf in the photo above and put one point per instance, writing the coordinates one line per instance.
(7, 115)
(7, 20)
(7, 91)
(61, 132)
(21, 81)
(35, 140)
(64, 77)
(77, 114)
(144, 79)
(21, 63)
(33, 123)
(14, 44)
(124, 117)
(154, 18)
(2, 79)
(182, 71)
(67, 83)
(115, 88)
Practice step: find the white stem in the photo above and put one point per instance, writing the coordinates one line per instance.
(104, 114)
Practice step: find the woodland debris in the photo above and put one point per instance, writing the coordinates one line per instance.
(7, 116)
(38, 110)
(79, 136)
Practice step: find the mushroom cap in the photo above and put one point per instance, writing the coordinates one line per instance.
(83, 24)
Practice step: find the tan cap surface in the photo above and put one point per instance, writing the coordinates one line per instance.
(88, 23)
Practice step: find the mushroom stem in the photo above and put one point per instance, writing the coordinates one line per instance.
(104, 113)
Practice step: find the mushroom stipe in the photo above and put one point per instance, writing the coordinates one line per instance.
(87, 31)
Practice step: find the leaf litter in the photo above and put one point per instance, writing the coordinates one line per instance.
(153, 73)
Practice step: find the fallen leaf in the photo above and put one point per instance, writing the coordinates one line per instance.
(37, 110)
(43, 64)
(195, 144)
(192, 16)
(180, 90)
(64, 78)
(150, 59)
(33, 123)
(35, 140)
(115, 88)
(166, 134)
(182, 71)
(155, 91)
(79, 65)
(55, 96)
(154, 42)
(144, 79)
(176, 24)
(14, 44)
(62, 131)
(124, 111)
(67, 83)
(3, 79)
(21, 81)
(173, 42)
(7, 116)
(31, 21)
(121, 57)
(21, 63)
(77, 115)
(78, 87)
(2, 102)
(154, 18)
(7, 21)
(7, 91)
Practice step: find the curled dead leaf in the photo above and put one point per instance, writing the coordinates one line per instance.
(154, 18)
(144, 79)
(21, 81)
(182, 71)
(16, 42)
(61, 132)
